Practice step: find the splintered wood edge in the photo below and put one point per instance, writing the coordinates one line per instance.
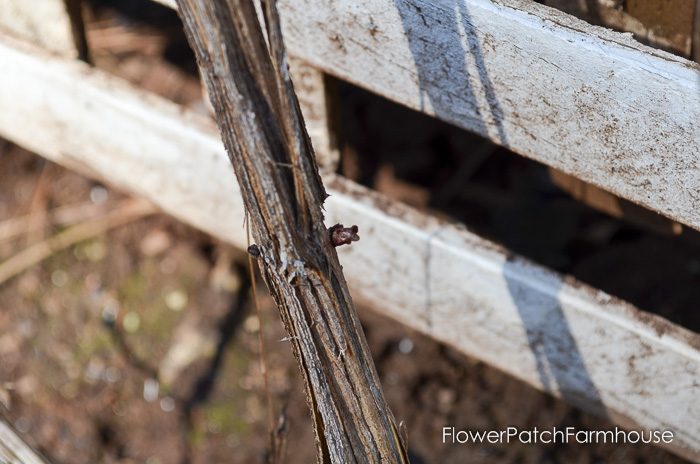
(552, 332)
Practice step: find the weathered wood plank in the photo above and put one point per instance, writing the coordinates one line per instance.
(554, 333)
(13, 450)
(46, 23)
(585, 100)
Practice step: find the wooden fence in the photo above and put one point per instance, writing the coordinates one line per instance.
(592, 103)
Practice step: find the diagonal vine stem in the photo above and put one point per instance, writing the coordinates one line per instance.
(263, 131)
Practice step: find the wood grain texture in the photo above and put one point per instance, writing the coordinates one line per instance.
(263, 131)
(590, 102)
(13, 450)
(585, 100)
(550, 331)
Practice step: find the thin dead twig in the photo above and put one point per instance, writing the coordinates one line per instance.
(61, 216)
(38, 204)
(126, 212)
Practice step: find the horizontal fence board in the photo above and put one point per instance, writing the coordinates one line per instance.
(588, 101)
(582, 99)
(556, 334)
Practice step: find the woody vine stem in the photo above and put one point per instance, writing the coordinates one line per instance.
(263, 131)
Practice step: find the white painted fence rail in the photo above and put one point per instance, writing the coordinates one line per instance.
(556, 334)
(13, 450)
(585, 100)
